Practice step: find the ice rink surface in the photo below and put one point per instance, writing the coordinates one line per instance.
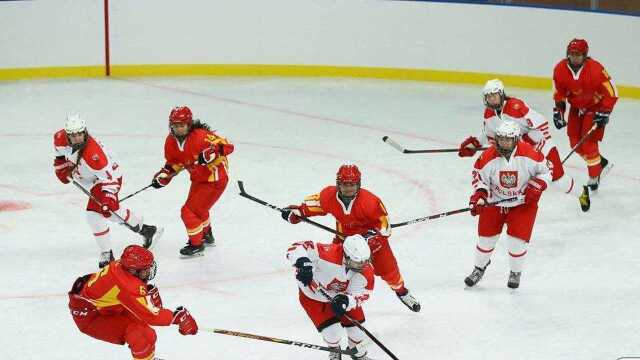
(579, 293)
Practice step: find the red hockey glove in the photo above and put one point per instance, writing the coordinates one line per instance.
(478, 201)
(374, 240)
(534, 190)
(209, 154)
(465, 150)
(291, 214)
(186, 322)
(63, 169)
(162, 178)
(154, 295)
(109, 203)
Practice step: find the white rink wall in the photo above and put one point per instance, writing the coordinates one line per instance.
(417, 35)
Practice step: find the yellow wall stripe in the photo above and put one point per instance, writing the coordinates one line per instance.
(456, 77)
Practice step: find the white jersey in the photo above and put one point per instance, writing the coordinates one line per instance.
(506, 179)
(96, 166)
(330, 273)
(533, 126)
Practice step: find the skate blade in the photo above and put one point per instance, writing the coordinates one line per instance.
(210, 245)
(156, 237)
(184, 257)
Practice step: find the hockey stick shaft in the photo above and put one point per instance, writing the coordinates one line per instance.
(357, 324)
(148, 186)
(99, 203)
(278, 341)
(445, 214)
(135, 193)
(244, 194)
(399, 147)
(584, 138)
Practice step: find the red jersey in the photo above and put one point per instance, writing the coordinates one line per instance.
(184, 154)
(113, 291)
(590, 89)
(365, 212)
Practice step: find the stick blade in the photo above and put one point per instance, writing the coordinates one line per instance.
(241, 187)
(393, 144)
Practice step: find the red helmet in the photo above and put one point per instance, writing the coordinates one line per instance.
(578, 45)
(181, 114)
(135, 257)
(348, 174)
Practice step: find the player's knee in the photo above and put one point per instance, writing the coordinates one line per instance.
(332, 334)
(141, 340)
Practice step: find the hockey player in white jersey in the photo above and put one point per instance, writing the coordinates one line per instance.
(341, 272)
(513, 172)
(81, 157)
(534, 129)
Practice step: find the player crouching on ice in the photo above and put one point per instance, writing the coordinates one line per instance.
(341, 272)
(508, 169)
(117, 305)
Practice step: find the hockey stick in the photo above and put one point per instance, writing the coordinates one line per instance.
(98, 202)
(244, 194)
(584, 138)
(279, 341)
(148, 186)
(398, 147)
(445, 214)
(357, 324)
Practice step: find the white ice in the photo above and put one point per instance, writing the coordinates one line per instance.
(579, 293)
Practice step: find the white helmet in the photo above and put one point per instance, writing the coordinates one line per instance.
(356, 252)
(508, 129)
(74, 124)
(493, 86)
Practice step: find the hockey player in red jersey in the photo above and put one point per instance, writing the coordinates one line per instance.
(117, 305)
(587, 87)
(509, 169)
(80, 157)
(193, 146)
(357, 211)
(334, 280)
(535, 130)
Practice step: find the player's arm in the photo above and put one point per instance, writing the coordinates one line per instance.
(359, 289)
(213, 147)
(303, 256)
(609, 96)
(560, 93)
(171, 167)
(61, 166)
(142, 307)
(311, 206)
(538, 133)
(480, 185)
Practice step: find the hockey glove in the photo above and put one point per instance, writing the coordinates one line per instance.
(291, 214)
(478, 201)
(601, 118)
(534, 189)
(209, 154)
(465, 150)
(339, 304)
(186, 323)
(63, 169)
(374, 240)
(154, 295)
(305, 270)
(162, 178)
(558, 115)
(109, 203)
